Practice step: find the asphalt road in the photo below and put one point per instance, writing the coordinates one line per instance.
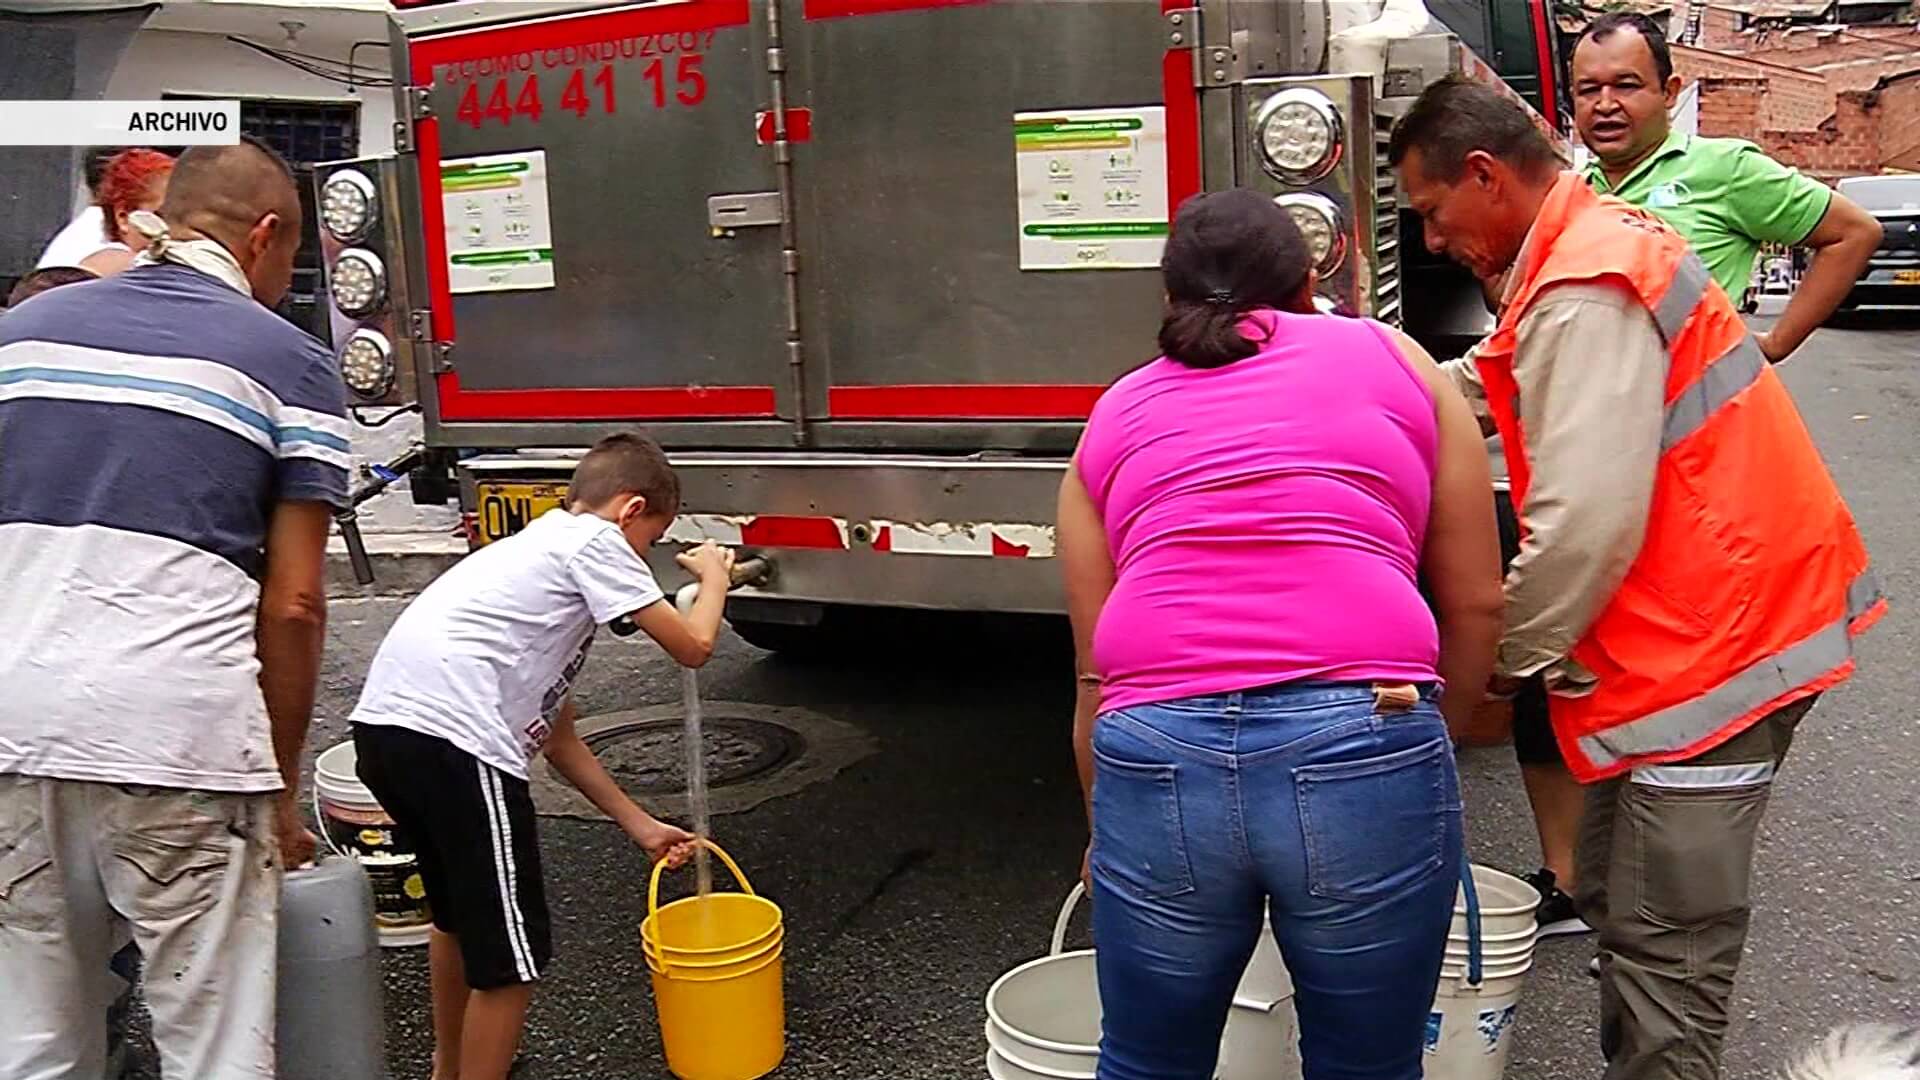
(917, 875)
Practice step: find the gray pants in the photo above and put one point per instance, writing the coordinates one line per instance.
(193, 877)
(1665, 856)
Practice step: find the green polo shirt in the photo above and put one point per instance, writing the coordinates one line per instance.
(1727, 197)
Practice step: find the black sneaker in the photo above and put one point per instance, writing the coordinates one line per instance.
(1555, 915)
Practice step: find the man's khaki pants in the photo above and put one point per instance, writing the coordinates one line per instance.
(1664, 860)
(194, 877)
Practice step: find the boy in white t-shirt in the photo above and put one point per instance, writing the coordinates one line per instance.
(471, 682)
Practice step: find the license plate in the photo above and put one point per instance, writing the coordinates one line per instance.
(1906, 277)
(506, 508)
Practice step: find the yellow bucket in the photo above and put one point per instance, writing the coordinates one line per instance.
(716, 965)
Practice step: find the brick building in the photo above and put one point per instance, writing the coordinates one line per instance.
(1829, 86)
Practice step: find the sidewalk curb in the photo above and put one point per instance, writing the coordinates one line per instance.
(399, 569)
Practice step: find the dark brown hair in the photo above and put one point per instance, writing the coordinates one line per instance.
(627, 463)
(1456, 116)
(1230, 252)
(1603, 27)
(51, 277)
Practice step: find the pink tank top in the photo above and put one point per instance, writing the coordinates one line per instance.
(1266, 518)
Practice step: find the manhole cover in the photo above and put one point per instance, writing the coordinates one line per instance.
(649, 756)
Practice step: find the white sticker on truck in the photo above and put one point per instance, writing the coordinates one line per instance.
(1092, 188)
(499, 229)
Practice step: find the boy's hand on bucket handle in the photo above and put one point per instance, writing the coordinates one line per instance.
(664, 841)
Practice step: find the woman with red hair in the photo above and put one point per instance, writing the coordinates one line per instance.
(133, 180)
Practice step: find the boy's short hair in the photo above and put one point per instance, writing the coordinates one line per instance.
(47, 278)
(628, 463)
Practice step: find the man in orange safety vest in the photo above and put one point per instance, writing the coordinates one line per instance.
(1689, 578)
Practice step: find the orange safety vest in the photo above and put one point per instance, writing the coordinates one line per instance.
(1752, 580)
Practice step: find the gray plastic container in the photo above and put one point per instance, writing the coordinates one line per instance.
(329, 1023)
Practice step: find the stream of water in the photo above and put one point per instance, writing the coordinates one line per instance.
(697, 779)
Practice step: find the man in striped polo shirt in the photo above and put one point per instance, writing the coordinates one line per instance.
(170, 454)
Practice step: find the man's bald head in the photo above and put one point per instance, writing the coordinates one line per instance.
(243, 197)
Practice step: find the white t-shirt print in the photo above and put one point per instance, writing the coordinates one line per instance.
(486, 656)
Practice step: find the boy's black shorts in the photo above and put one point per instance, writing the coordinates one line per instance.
(472, 828)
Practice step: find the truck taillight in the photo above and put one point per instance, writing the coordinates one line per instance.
(1312, 143)
(349, 202)
(366, 364)
(1318, 219)
(362, 246)
(1300, 134)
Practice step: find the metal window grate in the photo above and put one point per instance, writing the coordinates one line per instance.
(304, 131)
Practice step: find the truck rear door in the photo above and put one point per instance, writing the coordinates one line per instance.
(979, 192)
(983, 201)
(565, 170)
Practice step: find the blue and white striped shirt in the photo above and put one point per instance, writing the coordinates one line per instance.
(148, 424)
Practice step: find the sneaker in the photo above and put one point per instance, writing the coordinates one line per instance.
(1555, 915)
(1593, 967)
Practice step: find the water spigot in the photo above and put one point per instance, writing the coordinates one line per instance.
(754, 571)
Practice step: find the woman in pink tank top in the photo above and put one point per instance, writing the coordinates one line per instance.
(1264, 690)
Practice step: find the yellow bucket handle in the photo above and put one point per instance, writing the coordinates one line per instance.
(653, 886)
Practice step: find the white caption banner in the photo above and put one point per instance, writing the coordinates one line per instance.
(120, 123)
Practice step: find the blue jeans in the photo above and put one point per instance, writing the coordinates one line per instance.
(1343, 817)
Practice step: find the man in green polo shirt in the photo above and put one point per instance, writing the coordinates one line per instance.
(1725, 196)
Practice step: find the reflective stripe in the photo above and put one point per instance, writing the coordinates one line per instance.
(1735, 370)
(1863, 594)
(1703, 777)
(1689, 722)
(1689, 287)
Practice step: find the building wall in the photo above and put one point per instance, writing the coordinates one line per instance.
(1808, 46)
(1720, 30)
(1900, 124)
(167, 61)
(1793, 100)
(1847, 145)
(50, 55)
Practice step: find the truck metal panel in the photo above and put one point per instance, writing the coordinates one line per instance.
(824, 311)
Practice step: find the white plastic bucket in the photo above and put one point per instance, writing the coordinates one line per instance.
(1043, 1017)
(1470, 1030)
(352, 823)
(1262, 1040)
(1507, 905)
(1491, 952)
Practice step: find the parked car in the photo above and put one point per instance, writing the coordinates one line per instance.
(1892, 276)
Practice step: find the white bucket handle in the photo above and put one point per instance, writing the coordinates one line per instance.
(1066, 915)
(320, 823)
(1476, 959)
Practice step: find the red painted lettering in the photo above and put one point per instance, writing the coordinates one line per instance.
(656, 75)
(604, 81)
(692, 84)
(528, 104)
(574, 97)
(470, 106)
(498, 107)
